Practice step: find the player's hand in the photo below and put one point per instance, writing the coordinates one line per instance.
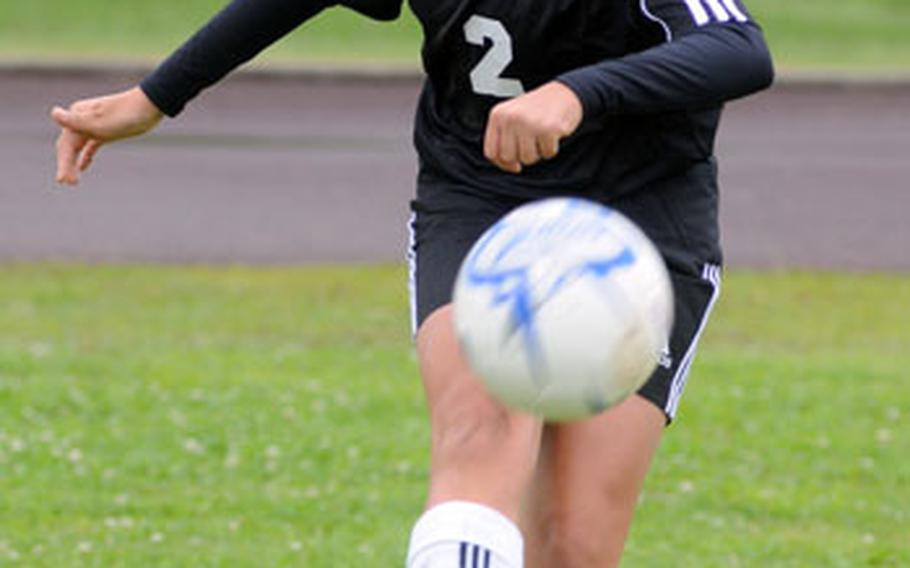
(88, 124)
(524, 130)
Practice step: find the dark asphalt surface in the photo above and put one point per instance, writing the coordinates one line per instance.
(296, 171)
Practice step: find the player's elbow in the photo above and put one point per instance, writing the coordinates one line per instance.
(763, 65)
(760, 63)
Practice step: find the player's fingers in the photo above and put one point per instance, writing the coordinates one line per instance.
(71, 119)
(507, 155)
(499, 144)
(548, 146)
(528, 152)
(88, 154)
(95, 118)
(491, 141)
(69, 146)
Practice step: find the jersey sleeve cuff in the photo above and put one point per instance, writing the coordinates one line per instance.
(593, 102)
(166, 103)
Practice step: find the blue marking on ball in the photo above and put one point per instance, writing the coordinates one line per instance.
(512, 285)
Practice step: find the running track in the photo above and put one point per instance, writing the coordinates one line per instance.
(291, 170)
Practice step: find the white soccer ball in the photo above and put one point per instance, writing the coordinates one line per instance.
(563, 308)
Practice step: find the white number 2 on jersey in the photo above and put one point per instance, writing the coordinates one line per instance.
(485, 77)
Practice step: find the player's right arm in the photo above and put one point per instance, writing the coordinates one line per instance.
(234, 36)
(88, 124)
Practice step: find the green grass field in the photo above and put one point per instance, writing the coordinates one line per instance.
(156, 416)
(855, 36)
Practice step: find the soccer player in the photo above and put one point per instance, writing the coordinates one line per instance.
(613, 100)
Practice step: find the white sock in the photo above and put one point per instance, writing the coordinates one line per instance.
(459, 534)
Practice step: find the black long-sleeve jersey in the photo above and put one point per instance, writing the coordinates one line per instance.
(652, 76)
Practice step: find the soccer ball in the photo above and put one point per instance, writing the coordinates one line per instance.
(563, 308)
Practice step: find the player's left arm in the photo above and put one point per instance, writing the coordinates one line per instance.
(713, 52)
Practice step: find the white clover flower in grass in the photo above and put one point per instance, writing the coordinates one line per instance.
(193, 446)
(231, 459)
(686, 486)
(177, 418)
(883, 436)
(40, 349)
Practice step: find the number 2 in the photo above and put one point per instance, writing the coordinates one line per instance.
(485, 77)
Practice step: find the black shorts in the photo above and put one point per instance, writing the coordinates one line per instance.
(681, 219)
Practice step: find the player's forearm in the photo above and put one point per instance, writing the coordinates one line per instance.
(234, 36)
(707, 67)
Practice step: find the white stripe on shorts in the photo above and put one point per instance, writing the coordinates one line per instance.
(710, 273)
(412, 271)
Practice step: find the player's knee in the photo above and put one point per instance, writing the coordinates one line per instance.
(473, 430)
(575, 544)
(584, 535)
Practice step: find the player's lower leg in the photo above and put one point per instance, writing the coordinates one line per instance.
(482, 460)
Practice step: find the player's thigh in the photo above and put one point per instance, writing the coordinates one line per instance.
(446, 221)
(589, 477)
(460, 407)
(591, 472)
(481, 450)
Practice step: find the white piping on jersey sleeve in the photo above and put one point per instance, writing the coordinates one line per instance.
(722, 11)
(650, 15)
